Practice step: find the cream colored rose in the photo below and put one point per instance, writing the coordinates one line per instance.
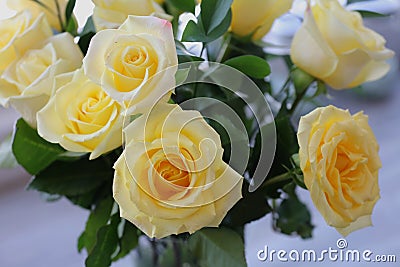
(135, 63)
(171, 178)
(36, 9)
(18, 34)
(111, 14)
(333, 45)
(340, 162)
(81, 117)
(27, 83)
(255, 17)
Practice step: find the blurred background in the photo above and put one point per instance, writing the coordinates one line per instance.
(38, 234)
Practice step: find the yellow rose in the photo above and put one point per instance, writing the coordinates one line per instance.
(81, 117)
(135, 63)
(171, 178)
(18, 34)
(340, 162)
(36, 9)
(256, 16)
(111, 14)
(333, 45)
(27, 83)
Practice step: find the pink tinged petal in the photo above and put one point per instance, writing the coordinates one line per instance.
(153, 26)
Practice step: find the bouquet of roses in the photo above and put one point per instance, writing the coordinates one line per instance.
(161, 118)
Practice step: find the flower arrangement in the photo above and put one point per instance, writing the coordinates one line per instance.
(171, 133)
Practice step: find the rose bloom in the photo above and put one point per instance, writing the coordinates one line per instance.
(136, 63)
(171, 178)
(255, 17)
(333, 45)
(81, 117)
(37, 9)
(18, 34)
(111, 14)
(340, 162)
(27, 83)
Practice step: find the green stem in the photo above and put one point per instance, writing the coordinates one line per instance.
(297, 101)
(277, 179)
(284, 86)
(202, 49)
(274, 215)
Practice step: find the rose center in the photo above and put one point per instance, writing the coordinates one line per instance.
(172, 173)
(342, 162)
(135, 56)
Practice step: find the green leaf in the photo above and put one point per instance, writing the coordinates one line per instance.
(68, 11)
(293, 215)
(213, 12)
(89, 27)
(7, 159)
(31, 151)
(128, 241)
(371, 14)
(97, 219)
(106, 245)
(286, 142)
(183, 5)
(89, 30)
(84, 41)
(220, 29)
(81, 242)
(176, 253)
(218, 247)
(194, 32)
(86, 200)
(72, 26)
(181, 75)
(251, 207)
(321, 89)
(72, 178)
(252, 66)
